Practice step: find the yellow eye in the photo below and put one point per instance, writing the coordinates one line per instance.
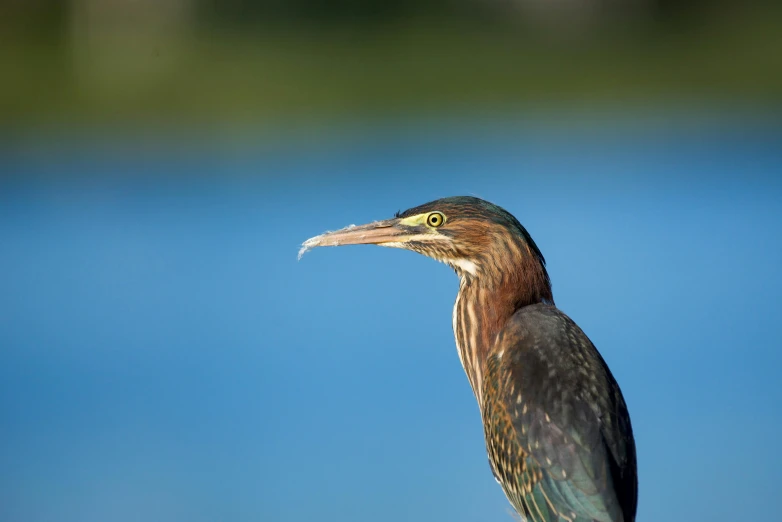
(435, 219)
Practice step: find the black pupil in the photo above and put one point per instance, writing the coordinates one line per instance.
(435, 219)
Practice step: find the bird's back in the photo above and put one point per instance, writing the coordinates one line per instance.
(557, 429)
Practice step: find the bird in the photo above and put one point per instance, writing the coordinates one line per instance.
(556, 426)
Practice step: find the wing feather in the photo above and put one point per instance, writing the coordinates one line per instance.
(557, 429)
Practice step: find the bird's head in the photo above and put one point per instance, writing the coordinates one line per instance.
(478, 239)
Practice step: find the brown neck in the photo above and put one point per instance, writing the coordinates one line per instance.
(487, 300)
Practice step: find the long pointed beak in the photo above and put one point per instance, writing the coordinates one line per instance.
(377, 233)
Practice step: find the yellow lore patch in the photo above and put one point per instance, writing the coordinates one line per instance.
(420, 219)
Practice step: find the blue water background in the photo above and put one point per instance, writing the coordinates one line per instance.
(163, 355)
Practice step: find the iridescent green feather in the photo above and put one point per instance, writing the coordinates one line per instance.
(561, 443)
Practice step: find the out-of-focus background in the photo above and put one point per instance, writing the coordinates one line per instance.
(163, 356)
(240, 61)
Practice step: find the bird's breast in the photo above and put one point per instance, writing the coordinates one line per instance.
(472, 335)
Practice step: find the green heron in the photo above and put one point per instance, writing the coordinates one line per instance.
(557, 430)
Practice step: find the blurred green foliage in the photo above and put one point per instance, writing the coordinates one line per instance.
(191, 61)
